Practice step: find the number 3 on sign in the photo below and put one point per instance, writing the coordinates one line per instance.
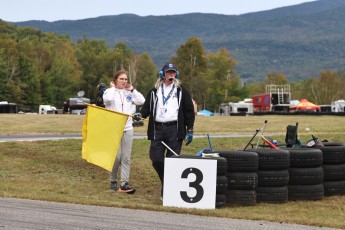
(195, 184)
(190, 183)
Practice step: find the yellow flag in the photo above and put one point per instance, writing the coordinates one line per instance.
(102, 132)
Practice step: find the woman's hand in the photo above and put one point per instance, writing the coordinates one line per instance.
(129, 87)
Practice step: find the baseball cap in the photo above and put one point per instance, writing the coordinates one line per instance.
(169, 67)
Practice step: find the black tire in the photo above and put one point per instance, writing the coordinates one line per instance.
(306, 176)
(271, 159)
(272, 194)
(242, 180)
(241, 197)
(240, 161)
(334, 172)
(220, 200)
(222, 184)
(333, 154)
(270, 178)
(222, 166)
(334, 188)
(306, 192)
(305, 157)
(333, 143)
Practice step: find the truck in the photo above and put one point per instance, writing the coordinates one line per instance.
(47, 109)
(76, 105)
(277, 98)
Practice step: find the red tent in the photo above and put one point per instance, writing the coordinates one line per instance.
(305, 105)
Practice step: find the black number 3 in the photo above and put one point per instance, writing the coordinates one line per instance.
(195, 184)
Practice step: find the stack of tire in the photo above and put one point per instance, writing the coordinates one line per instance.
(334, 168)
(242, 177)
(273, 175)
(222, 181)
(306, 174)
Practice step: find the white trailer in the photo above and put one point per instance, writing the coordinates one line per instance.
(235, 108)
(338, 106)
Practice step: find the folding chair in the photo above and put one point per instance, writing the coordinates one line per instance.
(291, 135)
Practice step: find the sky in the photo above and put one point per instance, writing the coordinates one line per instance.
(54, 10)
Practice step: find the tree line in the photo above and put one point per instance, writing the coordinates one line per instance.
(46, 68)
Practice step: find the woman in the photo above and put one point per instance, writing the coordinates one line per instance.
(120, 97)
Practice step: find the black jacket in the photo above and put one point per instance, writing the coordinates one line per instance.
(186, 115)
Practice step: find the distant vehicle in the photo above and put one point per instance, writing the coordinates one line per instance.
(276, 98)
(6, 107)
(237, 108)
(75, 105)
(47, 109)
(338, 106)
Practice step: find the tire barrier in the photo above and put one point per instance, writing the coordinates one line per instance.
(333, 154)
(334, 168)
(272, 194)
(277, 176)
(305, 158)
(273, 175)
(241, 197)
(333, 143)
(239, 161)
(272, 159)
(306, 192)
(305, 174)
(242, 177)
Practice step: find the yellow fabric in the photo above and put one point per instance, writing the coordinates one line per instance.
(102, 132)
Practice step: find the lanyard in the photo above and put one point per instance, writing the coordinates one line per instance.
(165, 99)
(122, 98)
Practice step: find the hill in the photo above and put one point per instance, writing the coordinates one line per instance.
(299, 40)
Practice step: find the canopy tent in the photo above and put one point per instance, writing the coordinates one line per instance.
(205, 113)
(305, 105)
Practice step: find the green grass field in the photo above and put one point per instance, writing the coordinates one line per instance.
(54, 170)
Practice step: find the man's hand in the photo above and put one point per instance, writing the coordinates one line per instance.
(189, 136)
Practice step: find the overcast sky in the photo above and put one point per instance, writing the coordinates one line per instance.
(53, 10)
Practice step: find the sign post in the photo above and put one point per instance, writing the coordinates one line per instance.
(190, 183)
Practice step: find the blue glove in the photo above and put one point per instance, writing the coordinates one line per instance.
(137, 117)
(189, 137)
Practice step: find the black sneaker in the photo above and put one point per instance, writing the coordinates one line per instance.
(126, 188)
(113, 185)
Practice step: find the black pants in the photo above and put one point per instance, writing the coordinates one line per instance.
(158, 151)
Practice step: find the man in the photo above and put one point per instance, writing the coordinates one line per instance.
(171, 120)
(120, 97)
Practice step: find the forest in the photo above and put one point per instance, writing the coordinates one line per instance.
(46, 68)
(299, 41)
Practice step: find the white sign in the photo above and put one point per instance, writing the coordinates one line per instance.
(190, 183)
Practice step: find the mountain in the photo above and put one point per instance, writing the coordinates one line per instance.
(299, 40)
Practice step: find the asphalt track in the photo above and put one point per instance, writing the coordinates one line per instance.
(18, 214)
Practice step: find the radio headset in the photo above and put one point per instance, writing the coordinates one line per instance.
(161, 73)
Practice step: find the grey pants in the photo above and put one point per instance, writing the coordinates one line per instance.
(123, 157)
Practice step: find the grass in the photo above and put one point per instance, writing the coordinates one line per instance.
(54, 170)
